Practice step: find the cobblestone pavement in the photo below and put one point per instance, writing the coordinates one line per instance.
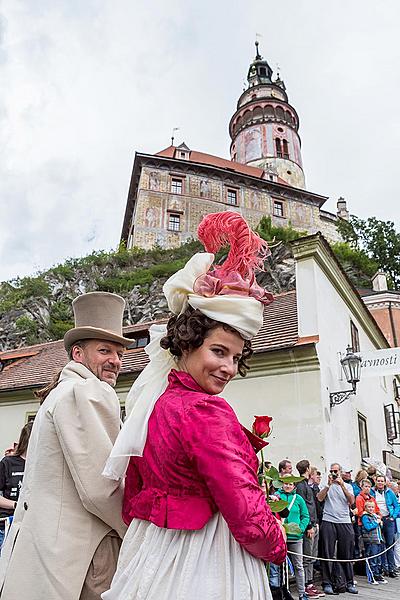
(366, 591)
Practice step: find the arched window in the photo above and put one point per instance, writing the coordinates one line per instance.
(285, 149)
(288, 117)
(269, 111)
(278, 147)
(280, 113)
(258, 113)
(247, 116)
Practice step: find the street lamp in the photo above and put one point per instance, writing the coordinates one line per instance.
(351, 364)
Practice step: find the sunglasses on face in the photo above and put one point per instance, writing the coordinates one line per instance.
(334, 471)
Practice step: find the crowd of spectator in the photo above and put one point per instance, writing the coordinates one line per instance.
(344, 520)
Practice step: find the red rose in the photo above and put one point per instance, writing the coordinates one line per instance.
(261, 426)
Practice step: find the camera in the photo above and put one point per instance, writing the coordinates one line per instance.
(334, 475)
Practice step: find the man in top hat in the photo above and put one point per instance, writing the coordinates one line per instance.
(67, 529)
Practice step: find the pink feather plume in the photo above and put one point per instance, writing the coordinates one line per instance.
(247, 250)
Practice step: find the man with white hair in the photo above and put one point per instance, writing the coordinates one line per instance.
(337, 531)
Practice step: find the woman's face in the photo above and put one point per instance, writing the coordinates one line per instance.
(215, 363)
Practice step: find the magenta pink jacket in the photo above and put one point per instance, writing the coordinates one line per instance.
(198, 460)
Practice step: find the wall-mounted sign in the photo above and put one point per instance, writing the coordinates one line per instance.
(380, 362)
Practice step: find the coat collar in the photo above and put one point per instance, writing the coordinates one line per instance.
(185, 379)
(77, 371)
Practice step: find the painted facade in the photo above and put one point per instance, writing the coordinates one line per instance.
(159, 215)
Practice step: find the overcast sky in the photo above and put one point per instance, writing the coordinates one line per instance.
(86, 83)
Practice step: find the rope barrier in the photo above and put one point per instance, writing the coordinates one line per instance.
(351, 560)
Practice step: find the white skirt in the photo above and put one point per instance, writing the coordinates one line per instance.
(175, 564)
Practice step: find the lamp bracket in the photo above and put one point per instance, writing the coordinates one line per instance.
(336, 398)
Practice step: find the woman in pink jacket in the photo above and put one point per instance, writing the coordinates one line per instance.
(199, 526)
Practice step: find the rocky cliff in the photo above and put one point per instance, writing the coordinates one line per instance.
(38, 309)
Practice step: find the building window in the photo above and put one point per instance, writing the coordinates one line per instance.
(231, 196)
(30, 417)
(139, 342)
(355, 338)
(396, 391)
(176, 185)
(278, 208)
(390, 423)
(174, 222)
(278, 147)
(285, 149)
(363, 434)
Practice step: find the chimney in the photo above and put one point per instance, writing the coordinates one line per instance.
(342, 211)
(379, 282)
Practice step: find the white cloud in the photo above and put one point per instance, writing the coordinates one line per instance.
(85, 84)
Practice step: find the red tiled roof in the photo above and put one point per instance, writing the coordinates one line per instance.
(215, 161)
(280, 330)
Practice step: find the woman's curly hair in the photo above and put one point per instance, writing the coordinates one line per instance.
(188, 330)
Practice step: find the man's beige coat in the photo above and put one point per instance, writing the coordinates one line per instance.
(66, 506)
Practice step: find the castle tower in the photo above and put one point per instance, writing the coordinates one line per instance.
(264, 128)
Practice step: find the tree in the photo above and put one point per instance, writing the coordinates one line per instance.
(379, 240)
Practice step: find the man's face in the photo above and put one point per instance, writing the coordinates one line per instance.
(102, 358)
(346, 475)
(287, 469)
(380, 483)
(335, 471)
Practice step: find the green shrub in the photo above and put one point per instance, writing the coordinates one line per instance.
(358, 259)
(29, 328)
(65, 271)
(271, 233)
(57, 329)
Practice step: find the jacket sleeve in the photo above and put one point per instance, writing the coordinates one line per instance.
(222, 455)
(360, 505)
(304, 514)
(87, 422)
(305, 492)
(133, 485)
(369, 524)
(392, 504)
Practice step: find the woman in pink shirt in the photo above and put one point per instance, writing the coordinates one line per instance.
(199, 526)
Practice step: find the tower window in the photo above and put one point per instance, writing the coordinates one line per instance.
(174, 222)
(278, 147)
(263, 72)
(278, 208)
(176, 185)
(285, 149)
(231, 196)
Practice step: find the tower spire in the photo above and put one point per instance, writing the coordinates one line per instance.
(264, 128)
